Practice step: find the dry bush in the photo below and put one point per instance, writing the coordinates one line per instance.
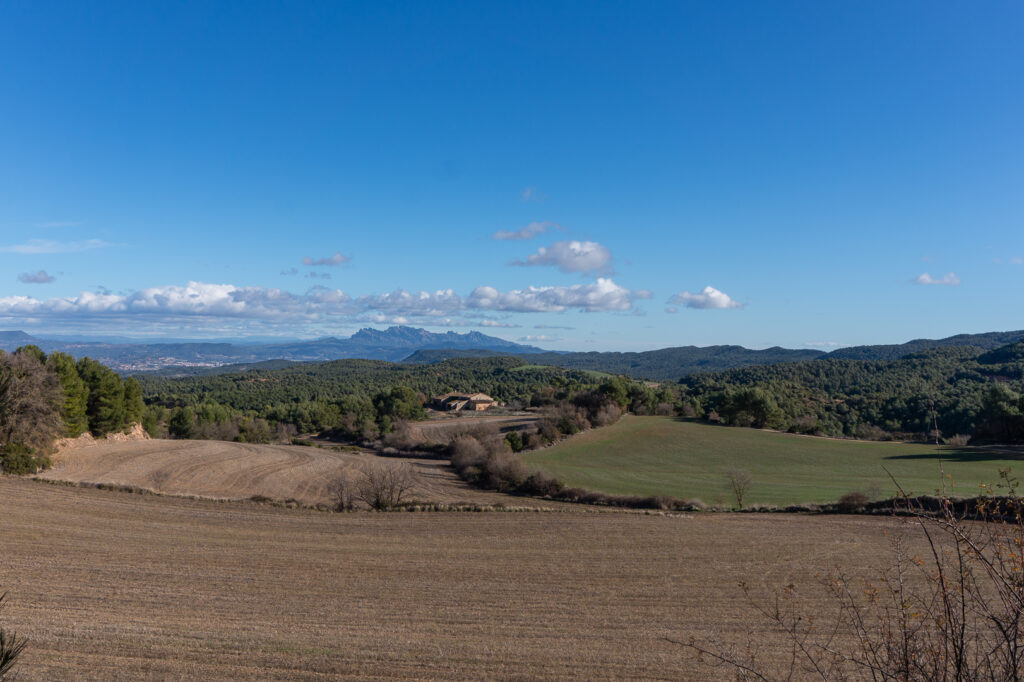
(852, 502)
(688, 410)
(956, 613)
(959, 440)
(807, 423)
(11, 647)
(665, 410)
(283, 433)
(383, 487)
(563, 419)
(159, 478)
(608, 414)
(342, 493)
(224, 430)
(466, 451)
(401, 437)
(872, 432)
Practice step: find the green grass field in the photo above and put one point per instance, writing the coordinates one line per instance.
(666, 456)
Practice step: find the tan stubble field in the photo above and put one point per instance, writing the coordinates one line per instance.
(111, 585)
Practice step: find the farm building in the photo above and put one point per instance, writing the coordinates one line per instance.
(454, 402)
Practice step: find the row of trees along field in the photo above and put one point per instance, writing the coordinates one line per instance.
(953, 392)
(361, 399)
(44, 397)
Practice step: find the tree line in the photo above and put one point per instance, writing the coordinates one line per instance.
(951, 393)
(45, 397)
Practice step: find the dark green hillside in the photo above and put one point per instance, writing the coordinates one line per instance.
(972, 394)
(433, 356)
(666, 364)
(332, 381)
(987, 341)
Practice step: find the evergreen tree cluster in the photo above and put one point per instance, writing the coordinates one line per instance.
(44, 397)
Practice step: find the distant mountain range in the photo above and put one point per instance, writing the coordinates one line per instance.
(392, 344)
(413, 345)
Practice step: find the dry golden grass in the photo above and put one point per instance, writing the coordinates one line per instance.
(223, 470)
(109, 586)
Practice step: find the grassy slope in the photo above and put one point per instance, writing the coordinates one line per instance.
(659, 455)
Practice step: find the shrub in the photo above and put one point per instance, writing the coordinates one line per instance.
(515, 441)
(20, 460)
(871, 432)
(401, 437)
(383, 487)
(342, 494)
(852, 502)
(807, 423)
(958, 440)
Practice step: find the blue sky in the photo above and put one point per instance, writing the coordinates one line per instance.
(584, 176)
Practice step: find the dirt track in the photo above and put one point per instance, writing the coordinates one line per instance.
(225, 470)
(441, 429)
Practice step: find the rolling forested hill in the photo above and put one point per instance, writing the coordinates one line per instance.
(668, 364)
(958, 389)
(664, 364)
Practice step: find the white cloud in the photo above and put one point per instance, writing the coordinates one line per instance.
(256, 306)
(572, 256)
(331, 261)
(949, 279)
(529, 232)
(709, 298)
(318, 275)
(41, 277)
(602, 295)
(438, 303)
(551, 326)
(40, 246)
(538, 338)
(824, 344)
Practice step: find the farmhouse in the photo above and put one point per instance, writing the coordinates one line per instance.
(454, 402)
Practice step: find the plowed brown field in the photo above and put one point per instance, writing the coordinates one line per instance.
(225, 470)
(115, 586)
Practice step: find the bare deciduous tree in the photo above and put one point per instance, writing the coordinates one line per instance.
(383, 486)
(740, 481)
(30, 403)
(342, 493)
(956, 613)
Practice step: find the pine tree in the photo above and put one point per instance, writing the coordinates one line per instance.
(133, 405)
(106, 409)
(76, 394)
